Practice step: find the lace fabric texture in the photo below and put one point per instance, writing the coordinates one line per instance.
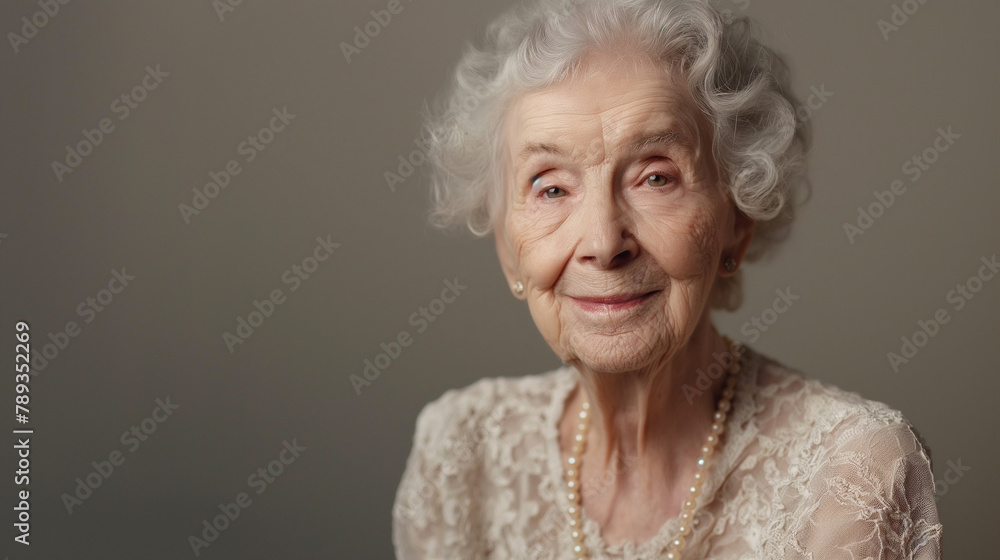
(805, 471)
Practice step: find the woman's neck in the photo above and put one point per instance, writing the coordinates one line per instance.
(658, 417)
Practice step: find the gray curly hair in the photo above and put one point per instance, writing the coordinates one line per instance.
(740, 85)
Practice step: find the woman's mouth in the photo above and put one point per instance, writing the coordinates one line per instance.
(611, 304)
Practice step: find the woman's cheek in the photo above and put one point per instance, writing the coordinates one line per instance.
(540, 237)
(541, 216)
(541, 263)
(681, 240)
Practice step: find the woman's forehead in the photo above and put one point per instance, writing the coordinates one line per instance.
(580, 118)
(607, 96)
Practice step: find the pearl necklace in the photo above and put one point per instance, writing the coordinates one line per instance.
(573, 464)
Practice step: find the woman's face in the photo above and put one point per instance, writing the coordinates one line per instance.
(615, 220)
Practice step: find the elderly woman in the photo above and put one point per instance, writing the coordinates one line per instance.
(628, 156)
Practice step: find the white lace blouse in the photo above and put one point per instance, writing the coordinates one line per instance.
(805, 471)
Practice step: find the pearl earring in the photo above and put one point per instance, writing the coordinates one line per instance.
(518, 288)
(729, 264)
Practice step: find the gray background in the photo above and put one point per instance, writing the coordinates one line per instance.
(324, 176)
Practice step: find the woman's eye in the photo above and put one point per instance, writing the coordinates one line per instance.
(658, 180)
(541, 190)
(553, 192)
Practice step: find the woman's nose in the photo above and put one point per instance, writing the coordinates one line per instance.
(606, 238)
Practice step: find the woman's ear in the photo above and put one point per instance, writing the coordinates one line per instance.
(505, 252)
(743, 230)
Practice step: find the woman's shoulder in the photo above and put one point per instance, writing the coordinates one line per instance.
(447, 474)
(839, 466)
(491, 401)
(789, 403)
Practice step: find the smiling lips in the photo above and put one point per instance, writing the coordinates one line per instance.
(611, 304)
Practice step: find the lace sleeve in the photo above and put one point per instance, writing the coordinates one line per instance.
(873, 498)
(433, 515)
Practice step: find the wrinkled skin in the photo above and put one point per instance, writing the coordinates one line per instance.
(617, 225)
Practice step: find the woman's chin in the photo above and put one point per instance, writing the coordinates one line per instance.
(620, 353)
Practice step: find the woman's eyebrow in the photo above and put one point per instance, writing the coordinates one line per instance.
(539, 148)
(666, 138)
